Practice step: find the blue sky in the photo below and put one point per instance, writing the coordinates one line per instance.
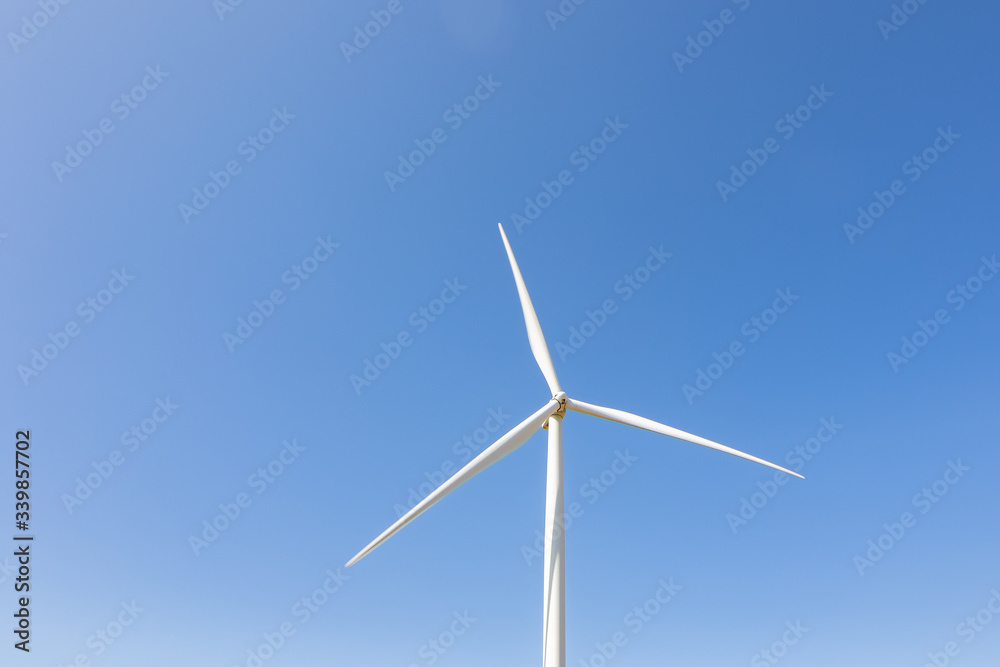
(184, 166)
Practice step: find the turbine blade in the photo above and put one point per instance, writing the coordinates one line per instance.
(630, 419)
(535, 337)
(513, 439)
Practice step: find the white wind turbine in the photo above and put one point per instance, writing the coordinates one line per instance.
(554, 602)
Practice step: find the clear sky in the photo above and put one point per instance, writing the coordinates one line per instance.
(217, 214)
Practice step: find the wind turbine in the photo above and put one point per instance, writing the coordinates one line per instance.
(550, 414)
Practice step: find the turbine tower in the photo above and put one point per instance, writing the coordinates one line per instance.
(550, 415)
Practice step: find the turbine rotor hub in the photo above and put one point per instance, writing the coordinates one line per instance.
(561, 397)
